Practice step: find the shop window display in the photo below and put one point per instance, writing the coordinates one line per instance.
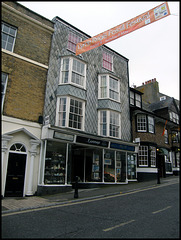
(109, 166)
(131, 160)
(55, 163)
(120, 166)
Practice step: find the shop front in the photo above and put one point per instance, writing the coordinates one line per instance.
(94, 160)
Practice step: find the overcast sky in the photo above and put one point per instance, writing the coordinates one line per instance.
(153, 51)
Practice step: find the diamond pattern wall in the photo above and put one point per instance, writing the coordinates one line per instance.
(90, 95)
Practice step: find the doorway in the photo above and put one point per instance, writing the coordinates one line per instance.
(15, 175)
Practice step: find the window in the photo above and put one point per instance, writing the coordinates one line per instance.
(150, 124)
(107, 61)
(109, 87)
(138, 100)
(73, 71)
(8, 36)
(166, 136)
(109, 123)
(72, 42)
(175, 137)
(70, 113)
(153, 156)
(4, 80)
(174, 117)
(132, 98)
(143, 156)
(141, 123)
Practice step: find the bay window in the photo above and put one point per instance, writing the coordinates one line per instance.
(143, 156)
(73, 72)
(109, 123)
(109, 87)
(145, 123)
(70, 113)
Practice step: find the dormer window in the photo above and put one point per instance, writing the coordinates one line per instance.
(135, 99)
(162, 98)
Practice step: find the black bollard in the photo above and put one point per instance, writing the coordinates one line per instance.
(76, 188)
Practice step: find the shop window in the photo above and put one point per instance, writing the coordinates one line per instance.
(55, 163)
(73, 71)
(109, 123)
(70, 113)
(109, 166)
(107, 61)
(93, 166)
(153, 156)
(143, 156)
(8, 36)
(131, 166)
(120, 166)
(73, 39)
(109, 87)
(4, 80)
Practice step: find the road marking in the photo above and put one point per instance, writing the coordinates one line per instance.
(161, 210)
(120, 225)
(71, 203)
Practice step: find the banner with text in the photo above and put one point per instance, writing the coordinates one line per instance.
(142, 20)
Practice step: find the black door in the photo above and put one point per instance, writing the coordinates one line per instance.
(15, 175)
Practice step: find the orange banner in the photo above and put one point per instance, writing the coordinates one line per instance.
(142, 20)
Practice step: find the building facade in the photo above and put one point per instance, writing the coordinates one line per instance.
(87, 128)
(155, 125)
(26, 41)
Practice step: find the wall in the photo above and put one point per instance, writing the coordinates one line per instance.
(94, 67)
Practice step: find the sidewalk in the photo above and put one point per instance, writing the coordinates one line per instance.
(14, 204)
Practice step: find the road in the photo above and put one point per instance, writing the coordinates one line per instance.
(146, 213)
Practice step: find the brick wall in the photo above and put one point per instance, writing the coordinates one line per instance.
(25, 90)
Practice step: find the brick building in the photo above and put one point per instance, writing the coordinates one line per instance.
(87, 125)
(155, 124)
(26, 41)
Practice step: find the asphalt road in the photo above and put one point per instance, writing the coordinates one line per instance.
(144, 213)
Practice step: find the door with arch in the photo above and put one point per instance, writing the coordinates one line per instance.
(16, 171)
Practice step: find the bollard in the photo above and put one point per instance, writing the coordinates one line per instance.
(76, 188)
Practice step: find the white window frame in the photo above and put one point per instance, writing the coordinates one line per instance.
(137, 100)
(132, 98)
(73, 41)
(153, 156)
(151, 124)
(143, 126)
(143, 152)
(4, 90)
(108, 123)
(108, 87)
(67, 114)
(8, 35)
(70, 70)
(108, 55)
(166, 136)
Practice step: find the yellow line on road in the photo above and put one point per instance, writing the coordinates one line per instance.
(120, 225)
(71, 203)
(161, 210)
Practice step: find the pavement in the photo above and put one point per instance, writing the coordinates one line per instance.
(15, 204)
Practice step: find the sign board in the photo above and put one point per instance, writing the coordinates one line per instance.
(133, 24)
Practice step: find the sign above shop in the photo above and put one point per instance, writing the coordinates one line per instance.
(92, 141)
(122, 147)
(63, 136)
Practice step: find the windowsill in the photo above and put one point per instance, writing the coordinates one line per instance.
(74, 85)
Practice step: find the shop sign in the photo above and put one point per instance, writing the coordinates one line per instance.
(122, 147)
(92, 141)
(63, 136)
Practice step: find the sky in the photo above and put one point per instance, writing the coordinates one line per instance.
(153, 51)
